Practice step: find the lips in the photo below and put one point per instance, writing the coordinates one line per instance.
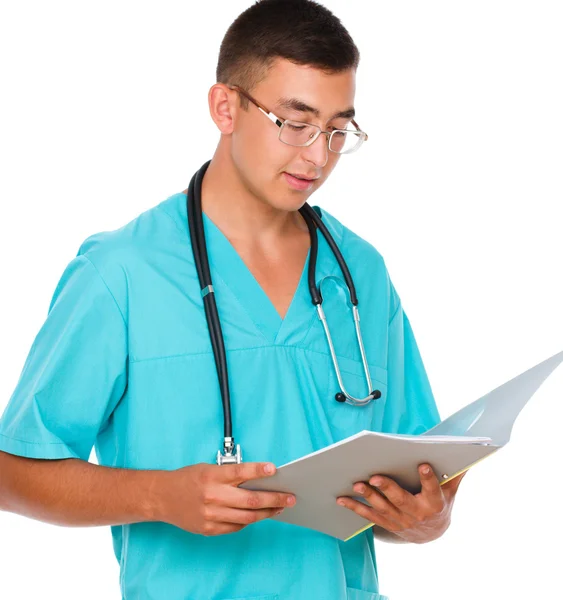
(303, 177)
(298, 184)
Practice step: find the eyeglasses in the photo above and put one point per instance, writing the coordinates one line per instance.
(296, 133)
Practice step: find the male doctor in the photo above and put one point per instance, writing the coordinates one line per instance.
(123, 362)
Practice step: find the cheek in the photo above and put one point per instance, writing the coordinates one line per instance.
(332, 161)
(260, 152)
(243, 142)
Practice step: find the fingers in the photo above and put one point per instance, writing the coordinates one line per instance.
(222, 507)
(399, 498)
(239, 473)
(383, 512)
(215, 491)
(255, 500)
(383, 507)
(427, 511)
(429, 481)
(211, 529)
(372, 514)
(227, 515)
(223, 520)
(248, 499)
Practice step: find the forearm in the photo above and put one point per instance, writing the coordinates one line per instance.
(72, 492)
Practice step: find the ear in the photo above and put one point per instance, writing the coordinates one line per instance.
(223, 107)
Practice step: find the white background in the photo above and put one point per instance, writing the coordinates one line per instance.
(104, 114)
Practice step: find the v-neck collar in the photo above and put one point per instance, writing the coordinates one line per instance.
(233, 281)
(226, 262)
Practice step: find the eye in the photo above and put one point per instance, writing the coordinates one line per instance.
(342, 125)
(296, 127)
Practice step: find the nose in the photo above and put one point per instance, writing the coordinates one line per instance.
(317, 152)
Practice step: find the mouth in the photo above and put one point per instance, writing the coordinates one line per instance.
(303, 177)
(299, 182)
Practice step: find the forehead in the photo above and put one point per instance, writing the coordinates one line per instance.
(329, 93)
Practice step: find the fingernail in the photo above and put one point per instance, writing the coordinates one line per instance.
(425, 470)
(376, 481)
(290, 501)
(360, 489)
(341, 502)
(269, 468)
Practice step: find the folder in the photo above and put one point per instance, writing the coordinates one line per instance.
(451, 447)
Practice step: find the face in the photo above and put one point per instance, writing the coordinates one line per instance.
(261, 160)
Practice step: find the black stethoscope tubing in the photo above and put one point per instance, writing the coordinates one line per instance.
(201, 259)
(195, 220)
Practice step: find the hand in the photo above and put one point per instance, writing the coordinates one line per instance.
(206, 499)
(418, 518)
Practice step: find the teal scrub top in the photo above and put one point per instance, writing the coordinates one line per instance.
(123, 364)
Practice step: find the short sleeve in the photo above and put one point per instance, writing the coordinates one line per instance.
(410, 406)
(75, 372)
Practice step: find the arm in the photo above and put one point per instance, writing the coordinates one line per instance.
(202, 499)
(73, 378)
(72, 492)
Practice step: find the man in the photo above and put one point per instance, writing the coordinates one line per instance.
(123, 362)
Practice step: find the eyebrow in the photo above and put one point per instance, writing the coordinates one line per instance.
(300, 106)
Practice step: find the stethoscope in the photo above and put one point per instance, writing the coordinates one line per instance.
(313, 221)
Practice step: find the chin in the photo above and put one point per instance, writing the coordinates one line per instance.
(290, 199)
(290, 203)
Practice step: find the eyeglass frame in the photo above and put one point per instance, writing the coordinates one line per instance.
(280, 123)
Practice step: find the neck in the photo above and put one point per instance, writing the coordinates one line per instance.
(239, 213)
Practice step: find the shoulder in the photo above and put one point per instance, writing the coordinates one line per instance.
(141, 235)
(350, 243)
(137, 239)
(348, 240)
(113, 255)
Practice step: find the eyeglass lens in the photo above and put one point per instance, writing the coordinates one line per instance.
(299, 134)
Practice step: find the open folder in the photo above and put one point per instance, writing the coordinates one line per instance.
(451, 447)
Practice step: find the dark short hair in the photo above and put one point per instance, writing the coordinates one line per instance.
(302, 31)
